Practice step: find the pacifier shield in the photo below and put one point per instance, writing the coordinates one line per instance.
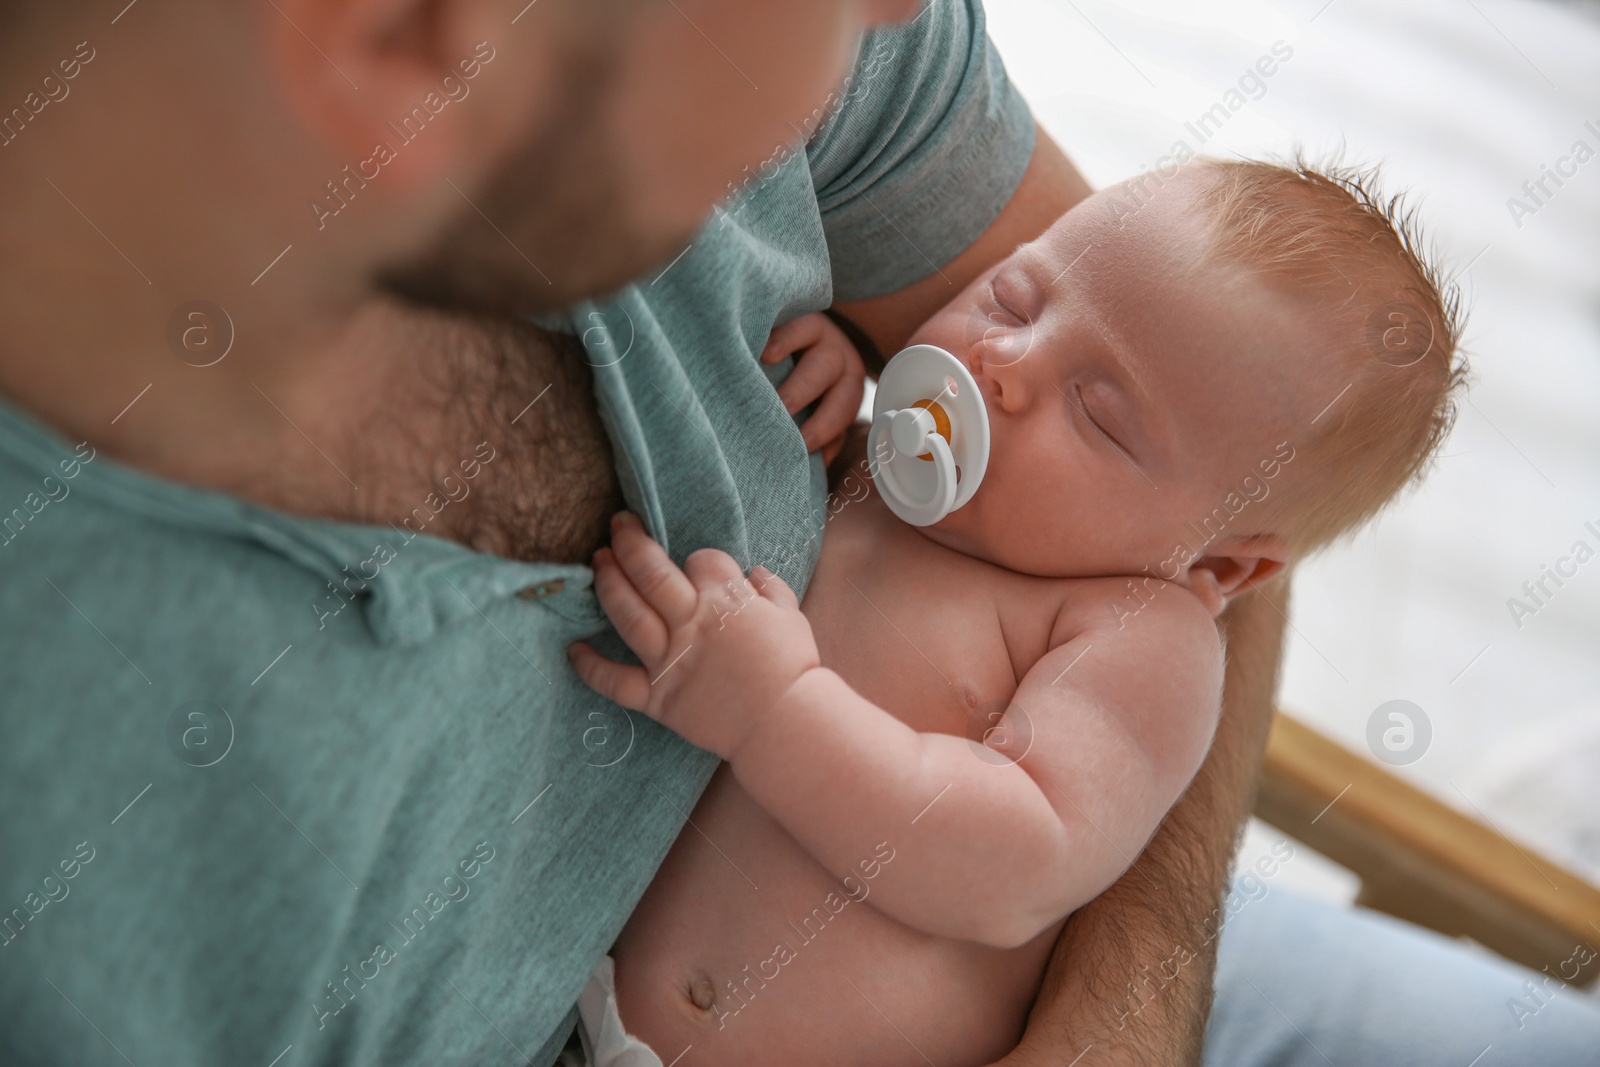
(930, 434)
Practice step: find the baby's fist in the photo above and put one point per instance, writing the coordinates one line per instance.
(718, 650)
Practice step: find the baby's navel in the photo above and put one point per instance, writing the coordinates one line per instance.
(702, 993)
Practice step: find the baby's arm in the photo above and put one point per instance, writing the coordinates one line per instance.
(993, 843)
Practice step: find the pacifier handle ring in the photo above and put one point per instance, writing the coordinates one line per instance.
(923, 512)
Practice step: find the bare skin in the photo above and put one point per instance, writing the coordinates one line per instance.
(1084, 1011)
(188, 194)
(342, 392)
(701, 926)
(839, 731)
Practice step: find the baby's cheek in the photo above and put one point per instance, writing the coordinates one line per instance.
(947, 328)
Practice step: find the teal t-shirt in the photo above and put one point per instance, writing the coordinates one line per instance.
(278, 787)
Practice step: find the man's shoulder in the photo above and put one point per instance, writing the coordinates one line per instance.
(920, 149)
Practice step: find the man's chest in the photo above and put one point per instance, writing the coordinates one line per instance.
(653, 398)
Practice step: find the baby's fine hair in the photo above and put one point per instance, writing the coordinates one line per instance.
(1398, 319)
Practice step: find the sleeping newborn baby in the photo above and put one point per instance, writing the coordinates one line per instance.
(970, 729)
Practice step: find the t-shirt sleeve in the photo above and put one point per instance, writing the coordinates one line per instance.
(922, 147)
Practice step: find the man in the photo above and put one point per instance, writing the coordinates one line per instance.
(296, 499)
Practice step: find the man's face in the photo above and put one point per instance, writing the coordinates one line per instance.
(664, 109)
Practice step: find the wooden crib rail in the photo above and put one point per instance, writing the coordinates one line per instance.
(1423, 861)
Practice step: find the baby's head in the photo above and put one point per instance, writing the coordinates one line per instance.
(1202, 377)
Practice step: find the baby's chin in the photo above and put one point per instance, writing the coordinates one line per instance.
(951, 536)
(973, 533)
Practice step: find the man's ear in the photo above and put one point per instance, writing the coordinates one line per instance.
(365, 73)
(1232, 565)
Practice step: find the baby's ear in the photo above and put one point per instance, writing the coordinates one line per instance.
(1232, 566)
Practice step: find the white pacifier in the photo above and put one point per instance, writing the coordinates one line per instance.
(930, 435)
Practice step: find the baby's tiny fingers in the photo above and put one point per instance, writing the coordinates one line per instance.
(624, 683)
(711, 569)
(773, 588)
(839, 408)
(636, 621)
(792, 336)
(659, 581)
(812, 376)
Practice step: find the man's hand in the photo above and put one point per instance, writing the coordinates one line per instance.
(827, 365)
(718, 650)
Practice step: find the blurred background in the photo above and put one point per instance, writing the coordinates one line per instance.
(1461, 101)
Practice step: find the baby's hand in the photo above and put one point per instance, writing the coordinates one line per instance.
(828, 366)
(718, 651)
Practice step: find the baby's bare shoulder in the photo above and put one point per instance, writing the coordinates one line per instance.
(1136, 612)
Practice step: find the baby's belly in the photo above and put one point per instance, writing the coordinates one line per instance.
(745, 951)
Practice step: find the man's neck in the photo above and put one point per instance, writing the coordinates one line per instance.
(126, 392)
(98, 336)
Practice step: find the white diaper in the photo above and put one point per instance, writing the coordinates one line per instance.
(605, 1042)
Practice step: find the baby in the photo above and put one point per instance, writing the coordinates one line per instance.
(970, 729)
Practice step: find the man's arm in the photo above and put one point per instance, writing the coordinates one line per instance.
(1173, 890)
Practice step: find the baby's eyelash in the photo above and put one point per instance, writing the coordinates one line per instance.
(994, 296)
(1083, 407)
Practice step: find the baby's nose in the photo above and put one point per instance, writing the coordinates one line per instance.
(1004, 364)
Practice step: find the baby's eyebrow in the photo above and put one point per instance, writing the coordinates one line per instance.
(1111, 340)
(1067, 269)
(1124, 356)
(1119, 349)
(1029, 261)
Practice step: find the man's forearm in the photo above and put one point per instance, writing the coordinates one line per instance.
(1130, 979)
